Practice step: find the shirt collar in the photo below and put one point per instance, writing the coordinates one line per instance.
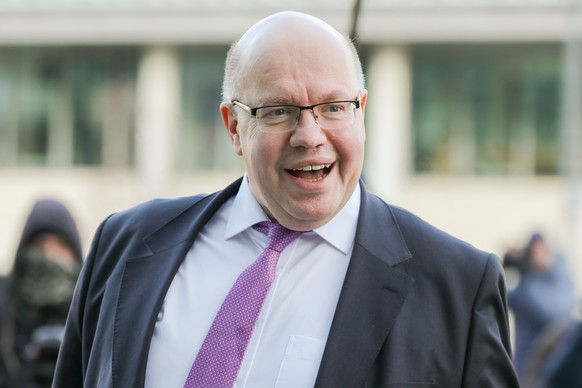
(340, 231)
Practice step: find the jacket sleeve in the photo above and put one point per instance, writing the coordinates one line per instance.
(488, 359)
(73, 352)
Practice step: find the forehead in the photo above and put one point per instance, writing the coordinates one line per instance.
(298, 64)
(301, 84)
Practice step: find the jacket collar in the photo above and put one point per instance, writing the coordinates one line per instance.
(371, 298)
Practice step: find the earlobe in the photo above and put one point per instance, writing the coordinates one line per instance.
(235, 140)
(231, 124)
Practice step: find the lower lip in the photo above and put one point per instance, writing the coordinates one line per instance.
(310, 185)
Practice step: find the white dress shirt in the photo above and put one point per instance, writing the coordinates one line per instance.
(287, 343)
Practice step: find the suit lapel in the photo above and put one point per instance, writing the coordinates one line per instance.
(371, 298)
(145, 282)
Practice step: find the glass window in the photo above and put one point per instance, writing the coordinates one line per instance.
(67, 105)
(64, 106)
(203, 139)
(486, 109)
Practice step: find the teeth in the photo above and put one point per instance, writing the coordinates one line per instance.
(313, 167)
(314, 180)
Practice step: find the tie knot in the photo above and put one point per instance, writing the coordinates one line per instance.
(278, 236)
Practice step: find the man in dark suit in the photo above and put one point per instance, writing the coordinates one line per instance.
(365, 294)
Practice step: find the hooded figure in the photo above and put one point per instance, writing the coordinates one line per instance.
(36, 295)
(542, 300)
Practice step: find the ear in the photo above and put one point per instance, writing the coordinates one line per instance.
(363, 100)
(231, 123)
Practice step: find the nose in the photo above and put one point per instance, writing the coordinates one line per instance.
(307, 133)
(301, 110)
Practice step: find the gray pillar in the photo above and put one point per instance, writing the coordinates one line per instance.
(388, 122)
(572, 136)
(10, 115)
(118, 99)
(158, 109)
(60, 126)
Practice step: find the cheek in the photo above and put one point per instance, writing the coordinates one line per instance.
(260, 151)
(249, 139)
(350, 146)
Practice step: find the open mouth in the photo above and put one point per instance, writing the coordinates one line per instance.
(312, 172)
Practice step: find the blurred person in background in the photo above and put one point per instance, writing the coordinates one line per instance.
(36, 295)
(542, 303)
(564, 367)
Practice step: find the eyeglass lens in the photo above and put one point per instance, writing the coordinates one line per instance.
(332, 115)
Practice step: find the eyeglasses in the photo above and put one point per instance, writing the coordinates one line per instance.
(283, 118)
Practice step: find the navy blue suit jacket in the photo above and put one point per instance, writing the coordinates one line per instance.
(418, 307)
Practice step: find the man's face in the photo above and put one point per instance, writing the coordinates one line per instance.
(303, 177)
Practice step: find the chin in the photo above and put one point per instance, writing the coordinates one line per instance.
(319, 215)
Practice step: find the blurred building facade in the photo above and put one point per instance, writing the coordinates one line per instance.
(473, 117)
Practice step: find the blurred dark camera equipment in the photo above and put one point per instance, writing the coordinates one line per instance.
(42, 354)
(515, 259)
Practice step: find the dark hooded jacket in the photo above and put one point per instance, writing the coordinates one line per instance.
(35, 298)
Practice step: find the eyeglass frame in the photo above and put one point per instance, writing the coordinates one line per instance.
(253, 111)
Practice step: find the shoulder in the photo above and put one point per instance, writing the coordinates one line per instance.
(443, 262)
(151, 215)
(175, 217)
(156, 210)
(418, 234)
(445, 256)
(428, 238)
(433, 249)
(156, 213)
(123, 232)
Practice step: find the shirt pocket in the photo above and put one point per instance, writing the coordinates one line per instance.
(300, 363)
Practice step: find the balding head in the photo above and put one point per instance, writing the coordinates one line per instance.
(303, 175)
(284, 34)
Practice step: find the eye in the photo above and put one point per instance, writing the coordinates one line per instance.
(334, 108)
(276, 112)
(274, 115)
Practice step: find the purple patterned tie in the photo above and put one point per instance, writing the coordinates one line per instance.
(222, 351)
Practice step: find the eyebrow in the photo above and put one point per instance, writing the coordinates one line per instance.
(328, 97)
